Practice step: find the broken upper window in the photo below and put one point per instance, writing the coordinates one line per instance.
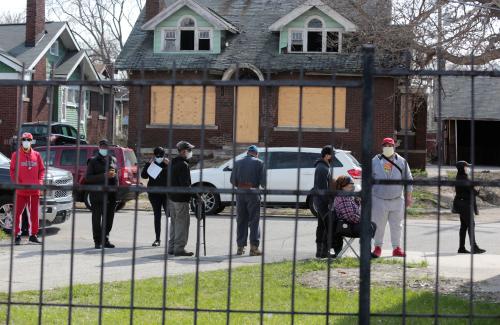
(187, 37)
(187, 22)
(315, 37)
(204, 40)
(169, 39)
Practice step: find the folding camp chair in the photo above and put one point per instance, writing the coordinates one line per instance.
(349, 233)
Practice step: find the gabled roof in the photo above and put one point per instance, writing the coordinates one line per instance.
(308, 5)
(10, 61)
(255, 44)
(209, 14)
(65, 70)
(12, 41)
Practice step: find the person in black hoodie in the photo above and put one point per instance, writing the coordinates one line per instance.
(463, 203)
(179, 202)
(101, 170)
(158, 200)
(322, 180)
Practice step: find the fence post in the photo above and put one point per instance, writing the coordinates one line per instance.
(366, 191)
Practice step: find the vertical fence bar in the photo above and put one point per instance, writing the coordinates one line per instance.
(366, 191)
(472, 232)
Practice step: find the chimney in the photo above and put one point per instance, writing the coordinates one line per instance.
(153, 7)
(35, 21)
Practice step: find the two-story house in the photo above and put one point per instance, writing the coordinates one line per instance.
(266, 40)
(40, 50)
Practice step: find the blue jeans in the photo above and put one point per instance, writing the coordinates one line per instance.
(248, 215)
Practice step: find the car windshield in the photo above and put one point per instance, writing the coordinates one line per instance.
(35, 129)
(354, 160)
(130, 159)
(3, 159)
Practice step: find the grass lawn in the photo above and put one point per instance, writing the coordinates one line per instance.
(3, 235)
(245, 296)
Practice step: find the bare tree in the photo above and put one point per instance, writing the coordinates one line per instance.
(99, 25)
(9, 17)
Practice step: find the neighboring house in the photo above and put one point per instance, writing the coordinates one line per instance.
(456, 116)
(267, 40)
(45, 50)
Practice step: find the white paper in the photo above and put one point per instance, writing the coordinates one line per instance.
(154, 170)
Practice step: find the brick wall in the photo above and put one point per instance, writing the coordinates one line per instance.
(215, 139)
(35, 21)
(38, 108)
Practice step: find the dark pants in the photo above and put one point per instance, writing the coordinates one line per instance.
(158, 201)
(248, 210)
(467, 225)
(325, 232)
(323, 224)
(102, 220)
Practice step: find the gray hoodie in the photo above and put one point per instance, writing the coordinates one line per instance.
(389, 192)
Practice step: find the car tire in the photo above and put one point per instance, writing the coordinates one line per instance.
(6, 213)
(311, 206)
(212, 203)
(86, 199)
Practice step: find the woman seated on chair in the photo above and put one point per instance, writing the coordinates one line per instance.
(348, 208)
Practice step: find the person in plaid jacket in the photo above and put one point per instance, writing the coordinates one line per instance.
(348, 208)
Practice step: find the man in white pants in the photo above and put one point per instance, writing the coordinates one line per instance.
(388, 202)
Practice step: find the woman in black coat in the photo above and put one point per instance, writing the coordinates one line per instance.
(158, 200)
(465, 205)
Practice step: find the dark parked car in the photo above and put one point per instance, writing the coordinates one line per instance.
(64, 157)
(58, 204)
(60, 134)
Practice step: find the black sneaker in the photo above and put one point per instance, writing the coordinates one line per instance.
(97, 246)
(463, 250)
(34, 239)
(156, 243)
(108, 245)
(17, 241)
(184, 253)
(478, 250)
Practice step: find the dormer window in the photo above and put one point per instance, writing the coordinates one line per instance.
(54, 49)
(315, 37)
(187, 37)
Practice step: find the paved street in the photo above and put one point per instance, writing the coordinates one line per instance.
(279, 244)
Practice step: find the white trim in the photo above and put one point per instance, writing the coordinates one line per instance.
(77, 63)
(324, 33)
(9, 61)
(178, 37)
(10, 75)
(323, 25)
(200, 10)
(56, 52)
(65, 27)
(327, 10)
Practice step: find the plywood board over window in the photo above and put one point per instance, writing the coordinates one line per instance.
(188, 105)
(247, 124)
(317, 107)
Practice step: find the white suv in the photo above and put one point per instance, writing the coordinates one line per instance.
(282, 171)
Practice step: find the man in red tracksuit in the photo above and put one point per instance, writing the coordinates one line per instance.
(30, 171)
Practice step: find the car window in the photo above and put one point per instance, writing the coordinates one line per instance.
(52, 157)
(66, 131)
(283, 160)
(35, 129)
(354, 160)
(72, 131)
(68, 157)
(130, 159)
(3, 159)
(56, 129)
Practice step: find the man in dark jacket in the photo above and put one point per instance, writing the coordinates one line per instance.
(179, 202)
(158, 177)
(248, 173)
(322, 179)
(101, 170)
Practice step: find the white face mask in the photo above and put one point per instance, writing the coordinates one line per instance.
(26, 144)
(158, 160)
(103, 152)
(388, 151)
(467, 170)
(189, 155)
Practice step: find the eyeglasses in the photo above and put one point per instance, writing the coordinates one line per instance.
(189, 150)
(26, 139)
(160, 156)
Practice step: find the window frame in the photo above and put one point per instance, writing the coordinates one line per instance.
(324, 36)
(197, 29)
(56, 46)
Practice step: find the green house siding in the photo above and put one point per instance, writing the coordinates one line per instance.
(72, 116)
(300, 22)
(173, 22)
(5, 68)
(76, 74)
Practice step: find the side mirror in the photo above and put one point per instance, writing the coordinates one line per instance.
(227, 169)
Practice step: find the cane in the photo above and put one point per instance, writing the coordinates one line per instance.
(200, 216)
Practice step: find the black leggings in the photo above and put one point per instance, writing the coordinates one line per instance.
(467, 224)
(158, 201)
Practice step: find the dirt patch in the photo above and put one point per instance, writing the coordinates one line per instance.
(392, 276)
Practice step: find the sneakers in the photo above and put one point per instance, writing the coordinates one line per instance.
(17, 241)
(477, 250)
(97, 246)
(254, 251)
(241, 250)
(398, 252)
(107, 244)
(377, 252)
(184, 253)
(156, 243)
(34, 239)
(462, 250)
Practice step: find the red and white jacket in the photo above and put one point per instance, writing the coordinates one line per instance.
(31, 170)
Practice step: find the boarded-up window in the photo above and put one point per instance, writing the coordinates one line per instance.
(188, 105)
(317, 106)
(247, 130)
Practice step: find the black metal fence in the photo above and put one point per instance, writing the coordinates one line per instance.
(13, 303)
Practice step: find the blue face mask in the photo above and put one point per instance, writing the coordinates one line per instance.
(158, 160)
(103, 152)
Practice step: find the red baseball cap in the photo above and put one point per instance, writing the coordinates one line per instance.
(388, 141)
(27, 135)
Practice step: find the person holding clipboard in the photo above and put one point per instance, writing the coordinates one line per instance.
(156, 171)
